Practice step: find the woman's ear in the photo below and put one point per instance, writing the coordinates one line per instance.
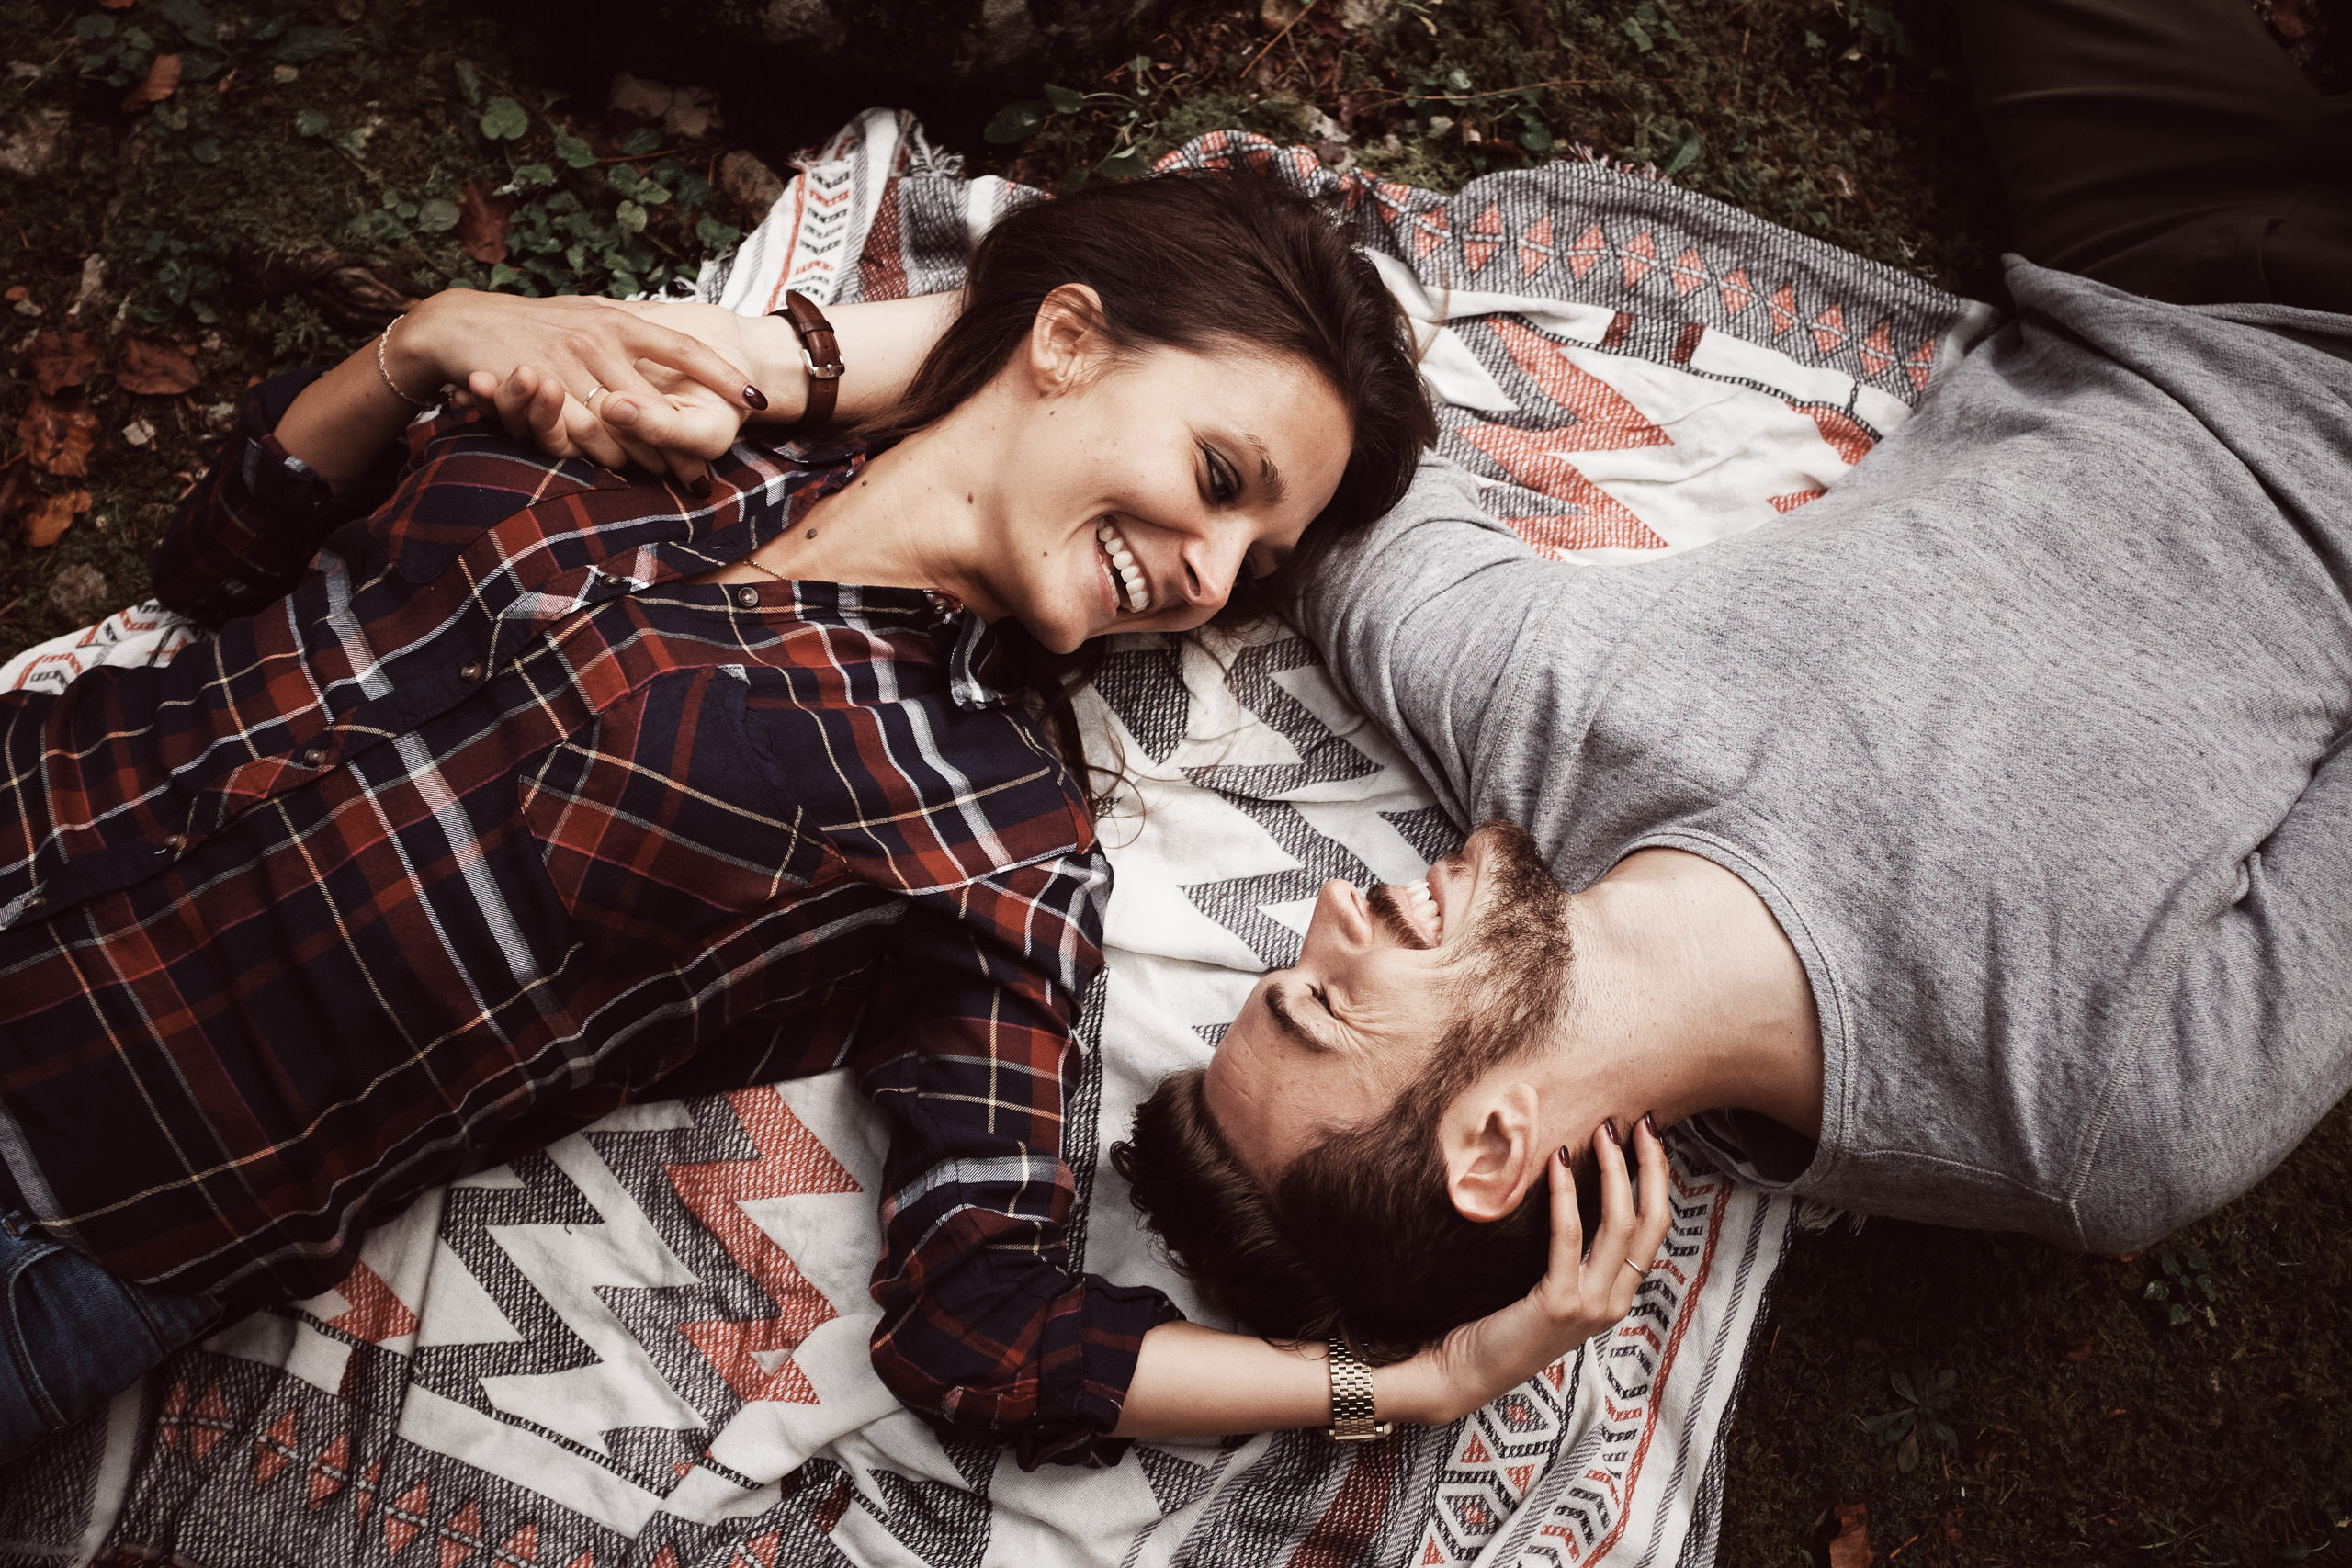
(1490, 1149)
(1068, 346)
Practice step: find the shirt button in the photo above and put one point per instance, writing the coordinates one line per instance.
(313, 755)
(176, 841)
(471, 673)
(35, 900)
(747, 596)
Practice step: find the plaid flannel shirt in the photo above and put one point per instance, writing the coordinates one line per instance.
(492, 822)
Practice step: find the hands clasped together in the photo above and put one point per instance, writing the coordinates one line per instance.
(663, 385)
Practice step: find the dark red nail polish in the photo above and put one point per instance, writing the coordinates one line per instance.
(754, 396)
(1648, 1122)
(701, 487)
(1610, 1126)
(1563, 1157)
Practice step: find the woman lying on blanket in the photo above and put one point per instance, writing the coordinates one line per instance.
(510, 787)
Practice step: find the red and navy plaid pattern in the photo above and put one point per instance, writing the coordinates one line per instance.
(493, 821)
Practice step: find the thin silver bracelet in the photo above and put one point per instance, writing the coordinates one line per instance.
(385, 370)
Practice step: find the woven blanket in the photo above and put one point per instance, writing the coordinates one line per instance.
(646, 1346)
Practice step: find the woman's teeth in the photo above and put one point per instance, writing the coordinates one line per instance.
(1123, 561)
(1425, 902)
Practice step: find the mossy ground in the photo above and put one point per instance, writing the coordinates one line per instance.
(2089, 1427)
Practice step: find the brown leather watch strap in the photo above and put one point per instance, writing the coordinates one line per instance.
(820, 351)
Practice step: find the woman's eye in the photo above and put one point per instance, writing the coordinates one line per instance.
(1223, 483)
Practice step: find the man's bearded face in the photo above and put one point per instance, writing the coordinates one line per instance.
(1381, 979)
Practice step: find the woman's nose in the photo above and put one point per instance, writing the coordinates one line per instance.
(1208, 569)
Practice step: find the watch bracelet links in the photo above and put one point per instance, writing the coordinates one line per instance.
(821, 352)
(1354, 1418)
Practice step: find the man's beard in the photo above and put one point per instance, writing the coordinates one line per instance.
(1515, 955)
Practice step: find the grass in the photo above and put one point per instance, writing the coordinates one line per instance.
(2087, 1425)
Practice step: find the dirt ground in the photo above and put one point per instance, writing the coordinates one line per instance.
(170, 232)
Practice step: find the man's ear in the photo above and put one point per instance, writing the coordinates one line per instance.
(1491, 1151)
(1068, 346)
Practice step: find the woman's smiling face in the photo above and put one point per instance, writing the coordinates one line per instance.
(1145, 483)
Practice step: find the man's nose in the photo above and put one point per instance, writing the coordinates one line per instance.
(1340, 920)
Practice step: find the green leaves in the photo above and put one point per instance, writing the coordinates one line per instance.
(1126, 164)
(438, 216)
(194, 23)
(1015, 122)
(1685, 154)
(1063, 100)
(572, 152)
(1924, 1396)
(2185, 1269)
(311, 122)
(506, 121)
(470, 85)
(299, 46)
(638, 143)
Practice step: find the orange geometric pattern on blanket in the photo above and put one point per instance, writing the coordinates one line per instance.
(1606, 421)
(791, 1162)
(1594, 520)
(373, 1313)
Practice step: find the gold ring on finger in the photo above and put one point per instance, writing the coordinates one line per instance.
(1634, 1267)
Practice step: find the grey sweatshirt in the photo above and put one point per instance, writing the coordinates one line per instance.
(2027, 733)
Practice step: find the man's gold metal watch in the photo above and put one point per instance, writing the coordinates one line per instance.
(1354, 1419)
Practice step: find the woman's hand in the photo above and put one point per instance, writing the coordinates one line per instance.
(693, 424)
(642, 380)
(1580, 1294)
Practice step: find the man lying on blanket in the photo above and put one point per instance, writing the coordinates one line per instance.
(1974, 847)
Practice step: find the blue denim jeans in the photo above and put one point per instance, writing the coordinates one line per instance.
(75, 1335)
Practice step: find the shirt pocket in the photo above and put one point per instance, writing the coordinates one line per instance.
(654, 868)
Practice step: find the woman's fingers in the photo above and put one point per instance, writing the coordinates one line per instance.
(1615, 1237)
(1567, 1225)
(689, 356)
(1656, 1214)
(589, 435)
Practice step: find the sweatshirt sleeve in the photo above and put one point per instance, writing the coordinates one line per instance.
(1418, 616)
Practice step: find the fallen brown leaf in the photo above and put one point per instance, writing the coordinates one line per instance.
(115, 4)
(57, 435)
(163, 80)
(47, 519)
(2086, 1346)
(482, 222)
(158, 369)
(62, 360)
(1851, 1546)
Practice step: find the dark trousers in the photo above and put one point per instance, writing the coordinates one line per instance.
(2167, 147)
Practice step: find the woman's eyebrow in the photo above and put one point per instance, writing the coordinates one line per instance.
(1270, 478)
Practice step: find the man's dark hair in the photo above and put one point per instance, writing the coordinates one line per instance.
(1360, 1229)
